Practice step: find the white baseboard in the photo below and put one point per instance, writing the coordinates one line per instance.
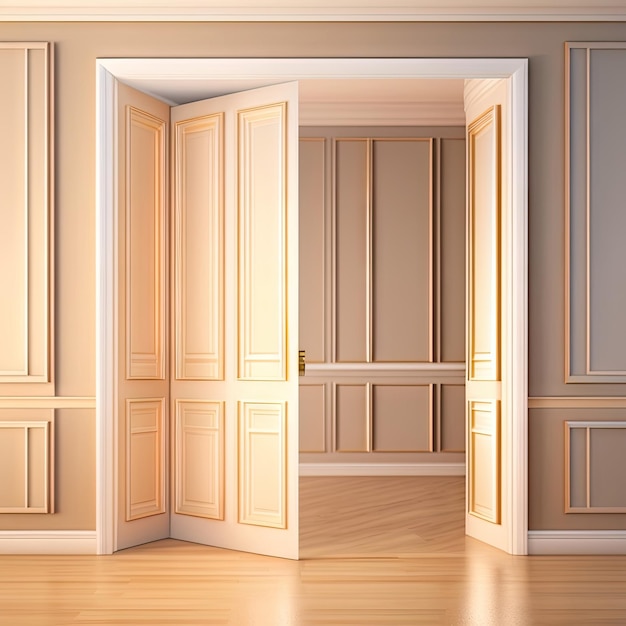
(48, 542)
(576, 542)
(382, 469)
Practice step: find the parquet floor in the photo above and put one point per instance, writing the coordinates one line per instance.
(373, 553)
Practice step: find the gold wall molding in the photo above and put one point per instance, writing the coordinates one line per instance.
(27, 240)
(27, 449)
(594, 461)
(594, 132)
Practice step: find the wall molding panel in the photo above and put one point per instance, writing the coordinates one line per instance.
(595, 345)
(199, 476)
(313, 417)
(27, 456)
(593, 459)
(146, 206)
(198, 249)
(26, 239)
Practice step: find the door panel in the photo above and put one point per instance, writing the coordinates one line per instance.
(235, 253)
(199, 249)
(141, 321)
(487, 518)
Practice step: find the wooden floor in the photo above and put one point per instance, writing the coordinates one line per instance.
(376, 551)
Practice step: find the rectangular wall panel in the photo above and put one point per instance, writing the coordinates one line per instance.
(145, 245)
(199, 458)
(145, 457)
(402, 252)
(352, 250)
(352, 419)
(452, 418)
(312, 190)
(402, 418)
(262, 243)
(451, 250)
(26, 210)
(312, 418)
(596, 137)
(262, 473)
(199, 249)
(484, 459)
(594, 465)
(27, 465)
(484, 246)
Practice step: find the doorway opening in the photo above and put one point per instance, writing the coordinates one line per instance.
(265, 71)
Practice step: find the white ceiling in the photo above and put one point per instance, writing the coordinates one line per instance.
(309, 10)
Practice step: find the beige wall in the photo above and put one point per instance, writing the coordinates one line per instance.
(76, 48)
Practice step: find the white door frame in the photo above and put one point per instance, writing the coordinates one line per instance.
(515, 71)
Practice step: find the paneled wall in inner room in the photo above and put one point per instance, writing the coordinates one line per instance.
(382, 296)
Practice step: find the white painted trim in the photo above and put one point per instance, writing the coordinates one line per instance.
(279, 70)
(382, 469)
(576, 542)
(106, 192)
(306, 11)
(381, 114)
(48, 542)
(517, 302)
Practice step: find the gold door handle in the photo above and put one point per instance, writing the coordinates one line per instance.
(301, 362)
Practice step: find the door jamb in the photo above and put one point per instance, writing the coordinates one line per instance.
(515, 71)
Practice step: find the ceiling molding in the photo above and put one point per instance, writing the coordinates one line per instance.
(308, 10)
(381, 114)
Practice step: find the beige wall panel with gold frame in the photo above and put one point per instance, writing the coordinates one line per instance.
(313, 188)
(26, 236)
(595, 139)
(576, 482)
(27, 462)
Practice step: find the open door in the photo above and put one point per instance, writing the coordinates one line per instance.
(141, 367)
(486, 371)
(234, 383)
